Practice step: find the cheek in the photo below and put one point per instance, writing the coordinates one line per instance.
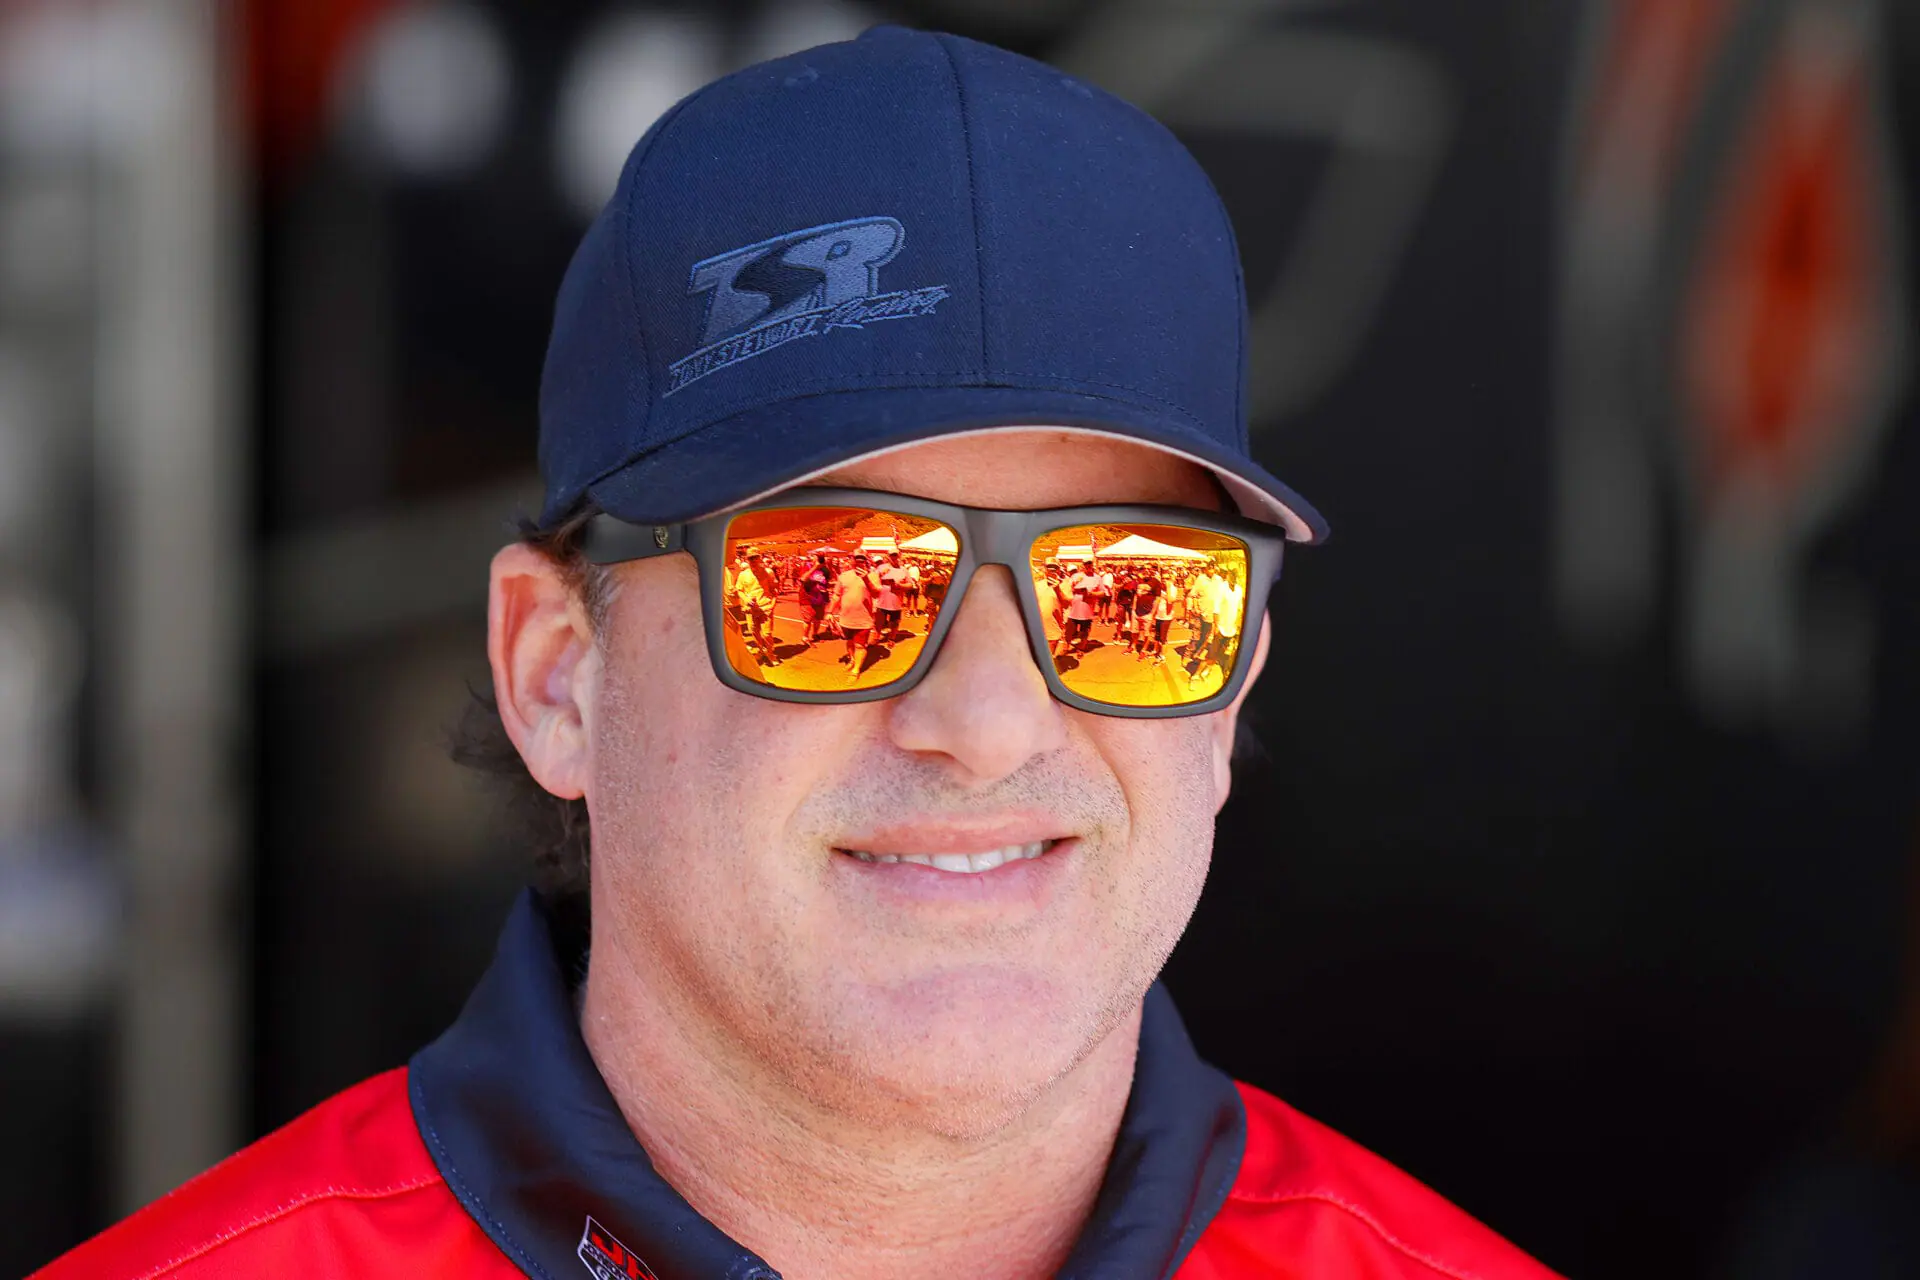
(1165, 770)
(692, 785)
(647, 734)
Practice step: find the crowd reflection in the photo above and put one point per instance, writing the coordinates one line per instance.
(826, 599)
(1145, 632)
(827, 617)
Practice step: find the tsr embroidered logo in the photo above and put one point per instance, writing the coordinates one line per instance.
(607, 1258)
(799, 285)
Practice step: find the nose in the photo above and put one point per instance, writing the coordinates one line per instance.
(984, 705)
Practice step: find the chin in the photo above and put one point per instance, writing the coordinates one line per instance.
(962, 1056)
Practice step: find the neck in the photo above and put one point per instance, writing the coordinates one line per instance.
(824, 1196)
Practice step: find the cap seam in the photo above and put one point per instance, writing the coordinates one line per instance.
(1244, 366)
(1242, 369)
(643, 395)
(973, 202)
(1241, 430)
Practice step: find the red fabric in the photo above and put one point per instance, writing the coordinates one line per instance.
(1308, 1202)
(348, 1192)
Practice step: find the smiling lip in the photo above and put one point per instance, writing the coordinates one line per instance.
(959, 863)
(984, 878)
(956, 837)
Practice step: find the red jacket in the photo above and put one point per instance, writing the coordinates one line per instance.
(491, 1158)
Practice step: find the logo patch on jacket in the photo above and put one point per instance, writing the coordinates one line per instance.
(803, 284)
(607, 1258)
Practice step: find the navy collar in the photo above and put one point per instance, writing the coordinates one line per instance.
(523, 1129)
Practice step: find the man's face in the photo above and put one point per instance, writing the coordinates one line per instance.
(723, 824)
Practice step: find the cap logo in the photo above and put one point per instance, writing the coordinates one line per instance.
(607, 1258)
(799, 285)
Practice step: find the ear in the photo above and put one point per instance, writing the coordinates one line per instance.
(1226, 721)
(545, 667)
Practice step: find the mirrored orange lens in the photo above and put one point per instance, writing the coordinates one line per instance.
(832, 599)
(1142, 615)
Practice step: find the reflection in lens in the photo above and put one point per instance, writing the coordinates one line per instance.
(1142, 615)
(830, 599)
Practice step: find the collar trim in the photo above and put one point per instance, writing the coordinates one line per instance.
(523, 1129)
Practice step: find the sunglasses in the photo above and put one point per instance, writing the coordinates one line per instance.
(830, 596)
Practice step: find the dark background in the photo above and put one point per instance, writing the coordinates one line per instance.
(1584, 895)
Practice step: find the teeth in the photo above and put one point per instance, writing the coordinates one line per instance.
(962, 863)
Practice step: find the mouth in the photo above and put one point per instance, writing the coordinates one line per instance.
(966, 864)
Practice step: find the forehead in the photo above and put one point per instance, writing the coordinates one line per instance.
(1026, 467)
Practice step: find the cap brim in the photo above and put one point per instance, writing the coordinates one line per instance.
(740, 459)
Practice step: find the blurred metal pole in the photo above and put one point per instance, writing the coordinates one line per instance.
(171, 554)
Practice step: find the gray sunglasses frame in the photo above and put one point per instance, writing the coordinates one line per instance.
(987, 536)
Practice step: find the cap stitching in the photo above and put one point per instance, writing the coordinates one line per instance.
(641, 394)
(973, 203)
(1243, 367)
(634, 164)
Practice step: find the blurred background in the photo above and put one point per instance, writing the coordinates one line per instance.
(1577, 874)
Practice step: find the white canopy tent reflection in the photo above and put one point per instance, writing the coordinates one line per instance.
(1139, 547)
(937, 541)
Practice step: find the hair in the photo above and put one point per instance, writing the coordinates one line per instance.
(555, 830)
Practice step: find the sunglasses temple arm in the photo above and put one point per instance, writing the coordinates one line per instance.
(612, 541)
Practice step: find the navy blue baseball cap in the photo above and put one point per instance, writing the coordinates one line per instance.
(869, 244)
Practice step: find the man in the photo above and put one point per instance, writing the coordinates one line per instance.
(753, 592)
(1124, 584)
(1141, 602)
(730, 596)
(1223, 632)
(854, 612)
(1200, 605)
(911, 585)
(1083, 586)
(816, 589)
(1051, 584)
(1163, 607)
(870, 989)
(893, 599)
(933, 588)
